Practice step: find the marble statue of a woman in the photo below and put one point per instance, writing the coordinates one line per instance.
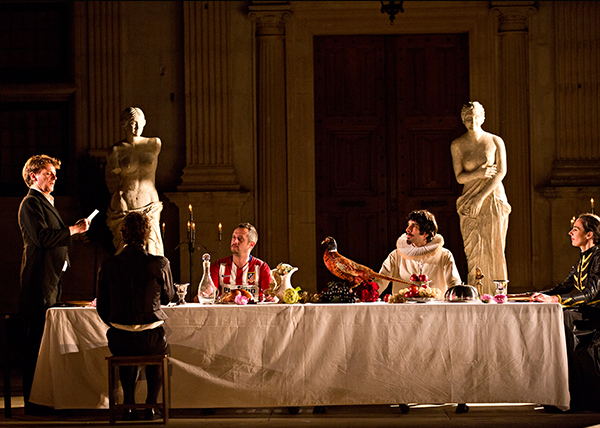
(479, 162)
(130, 178)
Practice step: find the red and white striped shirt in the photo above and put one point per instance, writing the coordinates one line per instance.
(254, 277)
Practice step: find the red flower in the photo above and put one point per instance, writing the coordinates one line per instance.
(368, 291)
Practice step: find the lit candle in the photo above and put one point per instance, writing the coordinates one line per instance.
(572, 222)
(191, 213)
(220, 231)
(592, 202)
(163, 231)
(193, 232)
(189, 231)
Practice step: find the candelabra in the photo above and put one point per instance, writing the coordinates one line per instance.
(191, 240)
(191, 236)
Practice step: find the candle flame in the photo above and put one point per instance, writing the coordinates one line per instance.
(190, 207)
(220, 226)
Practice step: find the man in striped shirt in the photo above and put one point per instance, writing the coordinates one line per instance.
(241, 269)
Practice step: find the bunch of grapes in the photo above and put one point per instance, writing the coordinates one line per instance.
(338, 292)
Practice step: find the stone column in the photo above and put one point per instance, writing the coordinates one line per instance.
(513, 110)
(273, 210)
(210, 182)
(206, 54)
(577, 81)
(103, 69)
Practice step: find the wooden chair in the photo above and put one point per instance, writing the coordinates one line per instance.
(137, 360)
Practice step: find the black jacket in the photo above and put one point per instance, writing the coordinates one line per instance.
(582, 286)
(132, 286)
(46, 241)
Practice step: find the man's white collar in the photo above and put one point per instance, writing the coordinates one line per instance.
(49, 197)
(410, 252)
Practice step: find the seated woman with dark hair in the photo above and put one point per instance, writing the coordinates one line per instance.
(579, 294)
(132, 287)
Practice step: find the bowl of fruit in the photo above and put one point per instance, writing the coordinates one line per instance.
(420, 290)
(420, 280)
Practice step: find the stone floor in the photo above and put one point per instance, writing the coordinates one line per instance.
(442, 415)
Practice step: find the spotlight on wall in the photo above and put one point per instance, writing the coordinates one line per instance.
(392, 8)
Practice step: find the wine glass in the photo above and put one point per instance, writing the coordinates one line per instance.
(181, 292)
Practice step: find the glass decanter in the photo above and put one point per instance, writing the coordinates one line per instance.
(207, 292)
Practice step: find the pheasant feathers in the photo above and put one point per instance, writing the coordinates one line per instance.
(347, 269)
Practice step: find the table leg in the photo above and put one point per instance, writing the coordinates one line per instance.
(6, 366)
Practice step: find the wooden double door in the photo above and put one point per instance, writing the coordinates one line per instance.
(386, 111)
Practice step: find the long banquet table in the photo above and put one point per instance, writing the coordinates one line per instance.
(275, 355)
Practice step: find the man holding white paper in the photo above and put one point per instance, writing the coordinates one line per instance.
(92, 215)
(46, 240)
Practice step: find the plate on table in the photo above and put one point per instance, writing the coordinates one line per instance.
(250, 302)
(75, 303)
(420, 299)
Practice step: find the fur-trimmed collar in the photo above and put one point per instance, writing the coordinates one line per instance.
(410, 252)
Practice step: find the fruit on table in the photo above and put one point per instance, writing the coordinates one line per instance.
(412, 291)
(423, 278)
(414, 277)
(423, 292)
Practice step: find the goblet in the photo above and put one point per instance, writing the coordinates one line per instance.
(501, 286)
(181, 292)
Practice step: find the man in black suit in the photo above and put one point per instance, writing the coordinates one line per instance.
(46, 239)
(132, 286)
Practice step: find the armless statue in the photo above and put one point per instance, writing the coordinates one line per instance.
(130, 178)
(479, 162)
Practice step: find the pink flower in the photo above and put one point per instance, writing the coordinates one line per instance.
(500, 298)
(486, 298)
(241, 300)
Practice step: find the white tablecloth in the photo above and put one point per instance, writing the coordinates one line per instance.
(325, 354)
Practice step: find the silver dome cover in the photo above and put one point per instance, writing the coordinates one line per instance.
(462, 293)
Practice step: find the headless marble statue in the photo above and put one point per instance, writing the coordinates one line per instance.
(130, 178)
(479, 162)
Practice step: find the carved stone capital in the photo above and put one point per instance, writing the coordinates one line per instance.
(270, 17)
(513, 15)
(575, 172)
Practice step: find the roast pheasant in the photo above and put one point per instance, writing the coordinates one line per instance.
(349, 270)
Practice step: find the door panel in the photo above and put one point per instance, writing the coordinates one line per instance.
(432, 86)
(350, 147)
(386, 110)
